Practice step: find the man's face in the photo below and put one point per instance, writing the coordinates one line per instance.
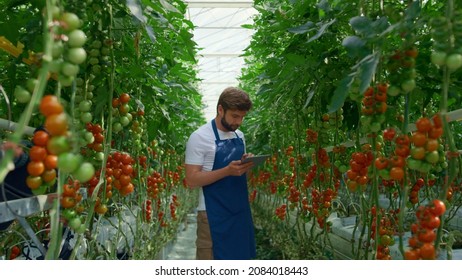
(232, 119)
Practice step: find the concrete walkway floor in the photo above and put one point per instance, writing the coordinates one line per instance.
(184, 245)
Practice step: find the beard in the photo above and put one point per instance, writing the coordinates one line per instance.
(228, 126)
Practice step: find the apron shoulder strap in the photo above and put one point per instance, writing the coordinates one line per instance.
(214, 127)
(215, 130)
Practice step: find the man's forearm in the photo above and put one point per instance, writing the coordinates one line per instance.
(204, 178)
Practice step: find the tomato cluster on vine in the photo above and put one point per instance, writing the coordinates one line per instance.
(174, 203)
(414, 192)
(121, 112)
(311, 136)
(401, 66)
(120, 167)
(373, 108)
(43, 164)
(358, 173)
(421, 242)
(281, 212)
(156, 183)
(387, 228)
(71, 203)
(147, 210)
(15, 251)
(426, 150)
(447, 41)
(98, 138)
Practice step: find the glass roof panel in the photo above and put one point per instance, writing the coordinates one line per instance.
(221, 41)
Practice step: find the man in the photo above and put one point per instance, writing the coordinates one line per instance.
(213, 162)
(14, 185)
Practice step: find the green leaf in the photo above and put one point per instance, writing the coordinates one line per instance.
(308, 98)
(361, 24)
(355, 46)
(307, 27)
(321, 30)
(380, 24)
(169, 7)
(367, 69)
(150, 33)
(137, 11)
(295, 59)
(324, 5)
(341, 93)
(413, 10)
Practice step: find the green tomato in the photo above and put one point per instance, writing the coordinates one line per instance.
(69, 162)
(40, 190)
(94, 52)
(117, 127)
(425, 167)
(22, 95)
(31, 84)
(381, 118)
(81, 229)
(85, 105)
(129, 116)
(55, 11)
(77, 38)
(89, 137)
(76, 55)
(408, 85)
(124, 120)
(58, 144)
(55, 65)
(93, 61)
(105, 51)
(384, 173)
(75, 223)
(414, 164)
(96, 69)
(99, 156)
(84, 172)
(69, 69)
(79, 82)
(86, 117)
(65, 80)
(438, 58)
(454, 61)
(432, 157)
(96, 44)
(375, 127)
(365, 120)
(69, 214)
(57, 49)
(70, 21)
(393, 91)
(343, 168)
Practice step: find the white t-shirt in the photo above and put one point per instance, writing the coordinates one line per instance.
(200, 150)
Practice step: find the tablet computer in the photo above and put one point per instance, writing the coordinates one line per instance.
(257, 160)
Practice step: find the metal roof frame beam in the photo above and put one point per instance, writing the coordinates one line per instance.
(218, 4)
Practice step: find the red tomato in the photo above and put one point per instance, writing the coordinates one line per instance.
(402, 139)
(438, 207)
(381, 162)
(389, 134)
(427, 251)
(396, 173)
(423, 125)
(397, 161)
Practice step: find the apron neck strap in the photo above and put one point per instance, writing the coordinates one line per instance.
(215, 130)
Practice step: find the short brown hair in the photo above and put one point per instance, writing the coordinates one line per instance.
(234, 99)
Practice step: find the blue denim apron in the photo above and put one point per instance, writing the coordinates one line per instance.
(227, 205)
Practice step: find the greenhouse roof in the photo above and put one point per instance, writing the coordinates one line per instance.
(221, 40)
